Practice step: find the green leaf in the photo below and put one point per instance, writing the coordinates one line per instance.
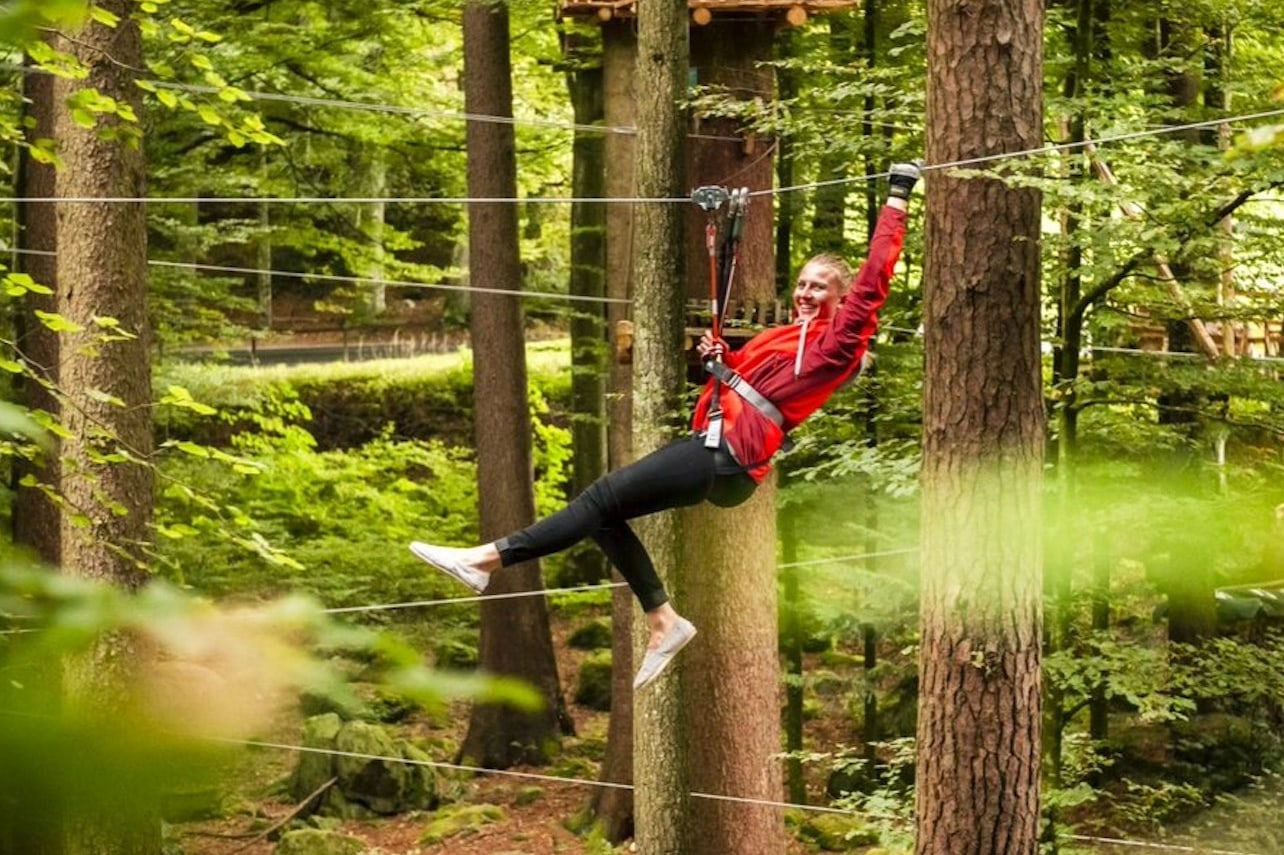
(11, 366)
(192, 448)
(210, 116)
(25, 283)
(17, 420)
(168, 98)
(104, 17)
(83, 118)
(105, 398)
(57, 323)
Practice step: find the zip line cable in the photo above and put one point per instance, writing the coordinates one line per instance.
(1042, 150)
(514, 595)
(350, 280)
(615, 785)
(552, 295)
(356, 755)
(1141, 844)
(562, 200)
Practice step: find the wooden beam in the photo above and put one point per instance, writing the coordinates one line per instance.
(1132, 210)
(796, 16)
(701, 15)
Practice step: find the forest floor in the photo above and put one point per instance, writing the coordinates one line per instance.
(536, 812)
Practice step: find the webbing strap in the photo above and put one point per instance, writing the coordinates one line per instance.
(742, 388)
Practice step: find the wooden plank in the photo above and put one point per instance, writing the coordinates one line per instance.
(795, 11)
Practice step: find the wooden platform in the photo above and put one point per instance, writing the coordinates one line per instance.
(794, 12)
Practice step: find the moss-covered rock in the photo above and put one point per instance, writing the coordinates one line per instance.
(314, 841)
(314, 769)
(460, 819)
(365, 783)
(833, 832)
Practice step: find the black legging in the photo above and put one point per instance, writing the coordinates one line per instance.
(681, 473)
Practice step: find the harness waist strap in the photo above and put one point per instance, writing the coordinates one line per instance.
(742, 388)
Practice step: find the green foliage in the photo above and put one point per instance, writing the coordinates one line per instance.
(293, 515)
(349, 404)
(218, 675)
(347, 517)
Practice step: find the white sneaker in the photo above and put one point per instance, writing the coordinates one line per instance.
(658, 659)
(441, 557)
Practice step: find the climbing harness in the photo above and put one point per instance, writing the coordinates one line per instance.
(723, 259)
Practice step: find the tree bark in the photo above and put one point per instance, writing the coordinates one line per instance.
(732, 676)
(587, 279)
(101, 272)
(728, 559)
(660, 755)
(515, 636)
(35, 516)
(372, 168)
(31, 817)
(980, 660)
(614, 806)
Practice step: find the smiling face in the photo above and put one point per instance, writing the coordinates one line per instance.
(817, 291)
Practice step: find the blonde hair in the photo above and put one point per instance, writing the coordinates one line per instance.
(837, 265)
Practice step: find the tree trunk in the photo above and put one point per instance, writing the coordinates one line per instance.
(732, 676)
(1189, 586)
(791, 643)
(515, 637)
(35, 517)
(733, 54)
(786, 203)
(263, 252)
(980, 701)
(31, 818)
(830, 213)
(1059, 581)
(587, 279)
(613, 806)
(660, 752)
(102, 273)
(729, 557)
(372, 167)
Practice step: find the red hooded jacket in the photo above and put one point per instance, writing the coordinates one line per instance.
(797, 367)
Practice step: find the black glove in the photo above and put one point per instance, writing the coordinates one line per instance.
(902, 178)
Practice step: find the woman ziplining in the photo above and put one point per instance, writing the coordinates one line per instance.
(753, 398)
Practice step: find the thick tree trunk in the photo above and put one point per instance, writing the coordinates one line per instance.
(515, 636)
(732, 678)
(613, 806)
(980, 700)
(102, 273)
(733, 54)
(661, 751)
(728, 559)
